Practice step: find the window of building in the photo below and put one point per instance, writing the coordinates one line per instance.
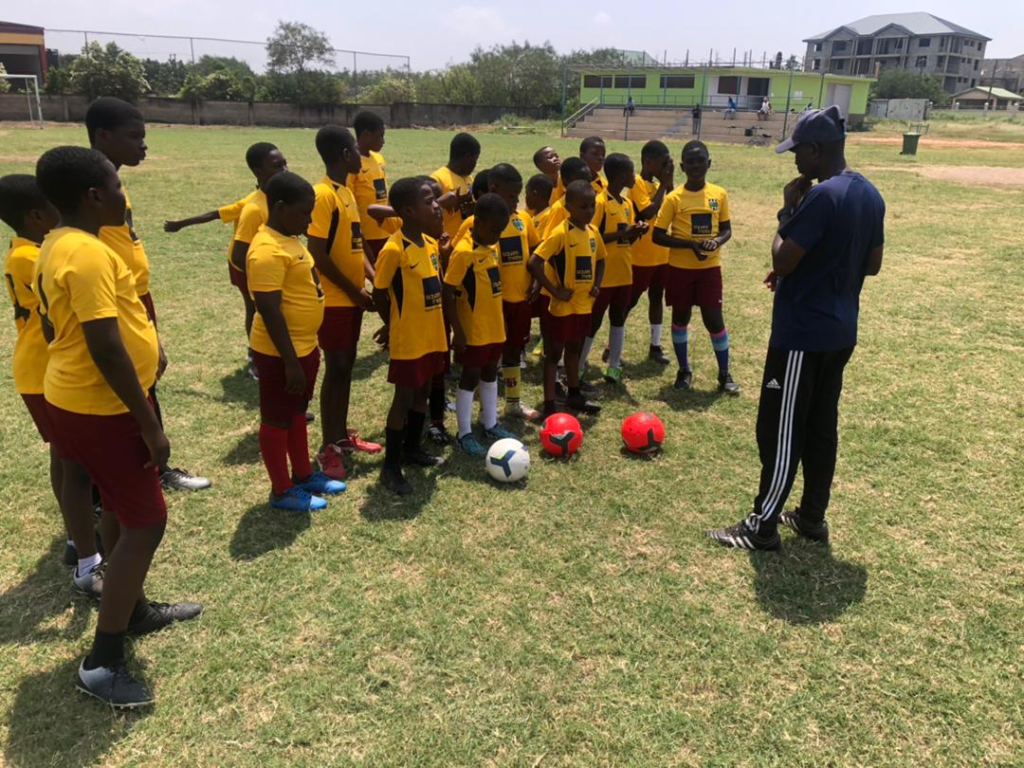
(976, 62)
(925, 42)
(816, 65)
(838, 45)
(631, 81)
(922, 62)
(817, 47)
(973, 82)
(758, 86)
(729, 85)
(677, 81)
(597, 81)
(839, 65)
(864, 47)
(899, 44)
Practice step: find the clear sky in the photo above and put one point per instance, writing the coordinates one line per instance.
(434, 34)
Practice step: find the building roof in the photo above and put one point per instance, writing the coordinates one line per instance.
(913, 23)
(999, 93)
(12, 28)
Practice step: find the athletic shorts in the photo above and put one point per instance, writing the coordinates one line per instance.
(645, 278)
(478, 356)
(36, 405)
(619, 296)
(415, 373)
(112, 451)
(518, 318)
(340, 329)
(239, 281)
(147, 302)
(374, 246)
(566, 329)
(686, 288)
(277, 405)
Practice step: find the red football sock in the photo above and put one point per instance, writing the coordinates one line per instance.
(298, 447)
(274, 450)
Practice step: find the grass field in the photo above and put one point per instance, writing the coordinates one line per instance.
(581, 619)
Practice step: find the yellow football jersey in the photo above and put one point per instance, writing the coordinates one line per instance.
(694, 216)
(474, 273)
(452, 182)
(124, 241)
(336, 220)
(30, 355)
(570, 257)
(612, 215)
(645, 252)
(254, 215)
(518, 240)
(370, 187)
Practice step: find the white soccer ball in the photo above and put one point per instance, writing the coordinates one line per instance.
(507, 460)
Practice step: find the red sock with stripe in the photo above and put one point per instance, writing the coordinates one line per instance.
(298, 447)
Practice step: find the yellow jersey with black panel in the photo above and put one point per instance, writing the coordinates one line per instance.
(125, 242)
(615, 215)
(336, 220)
(474, 273)
(694, 216)
(452, 182)
(370, 187)
(570, 258)
(30, 354)
(518, 241)
(645, 252)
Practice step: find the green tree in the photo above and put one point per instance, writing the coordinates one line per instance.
(902, 84)
(293, 52)
(108, 71)
(58, 80)
(165, 78)
(391, 88)
(207, 65)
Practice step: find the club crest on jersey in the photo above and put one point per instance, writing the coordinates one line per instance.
(518, 224)
(713, 204)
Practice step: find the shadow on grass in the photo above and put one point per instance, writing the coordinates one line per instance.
(245, 451)
(366, 365)
(805, 584)
(46, 726)
(44, 595)
(381, 505)
(693, 400)
(240, 388)
(263, 529)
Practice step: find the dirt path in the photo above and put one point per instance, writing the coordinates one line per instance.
(937, 143)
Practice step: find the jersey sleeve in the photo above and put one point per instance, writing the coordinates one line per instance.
(441, 179)
(21, 269)
(266, 267)
(323, 211)
(248, 224)
(558, 215)
(599, 214)
(464, 231)
(810, 221)
(723, 208)
(458, 266)
(91, 284)
(666, 214)
(386, 266)
(532, 236)
(602, 250)
(638, 194)
(230, 212)
(550, 246)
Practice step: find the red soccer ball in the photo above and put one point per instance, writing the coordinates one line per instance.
(643, 433)
(561, 434)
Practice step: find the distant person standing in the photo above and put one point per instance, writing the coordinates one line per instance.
(629, 108)
(696, 119)
(830, 238)
(730, 111)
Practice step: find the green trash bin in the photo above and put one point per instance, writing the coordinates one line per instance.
(910, 143)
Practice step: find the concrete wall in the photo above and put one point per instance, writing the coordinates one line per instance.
(900, 109)
(161, 110)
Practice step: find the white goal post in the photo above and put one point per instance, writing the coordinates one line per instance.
(36, 112)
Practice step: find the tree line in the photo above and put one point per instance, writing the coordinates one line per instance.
(301, 70)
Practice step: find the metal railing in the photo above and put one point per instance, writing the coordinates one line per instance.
(579, 114)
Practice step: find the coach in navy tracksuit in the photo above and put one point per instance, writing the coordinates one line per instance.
(830, 237)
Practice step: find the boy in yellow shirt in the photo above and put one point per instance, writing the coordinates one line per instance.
(615, 220)
(289, 310)
(117, 130)
(407, 295)
(548, 162)
(573, 169)
(472, 296)
(569, 266)
(456, 180)
(25, 209)
(693, 224)
(538, 200)
(104, 358)
(336, 243)
(369, 183)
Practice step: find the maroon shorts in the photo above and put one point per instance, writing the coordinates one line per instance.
(36, 405)
(416, 373)
(620, 297)
(478, 356)
(566, 329)
(518, 318)
(539, 305)
(693, 287)
(147, 302)
(645, 278)
(340, 329)
(277, 405)
(112, 451)
(239, 281)
(374, 245)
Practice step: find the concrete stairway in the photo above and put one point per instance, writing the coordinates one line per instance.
(677, 124)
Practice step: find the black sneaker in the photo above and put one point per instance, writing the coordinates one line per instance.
(438, 434)
(310, 417)
(175, 479)
(580, 403)
(684, 380)
(741, 536)
(89, 584)
(420, 458)
(657, 355)
(605, 355)
(114, 686)
(727, 385)
(814, 531)
(394, 480)
(560, 391)
(587, 388)
(162, 615)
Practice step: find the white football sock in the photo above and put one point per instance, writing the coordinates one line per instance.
(464, 411)
(616, 341)
(655, 335)
(489, 403)
(86, 564)
(585, 353)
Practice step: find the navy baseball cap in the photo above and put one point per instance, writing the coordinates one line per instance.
(819, 125)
